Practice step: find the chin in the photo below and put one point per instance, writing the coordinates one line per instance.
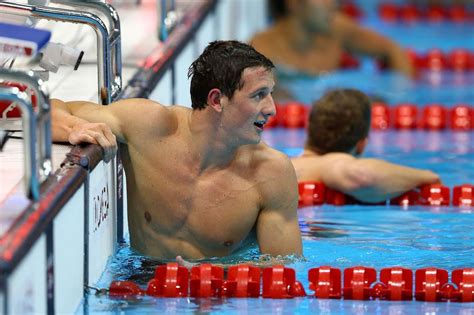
(254, 140)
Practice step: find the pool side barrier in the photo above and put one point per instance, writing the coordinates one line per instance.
(279, 282)
(312, 193)
(404, 116)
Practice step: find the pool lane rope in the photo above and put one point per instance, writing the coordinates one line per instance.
(312, 193)
(279, 282)
(403, 116)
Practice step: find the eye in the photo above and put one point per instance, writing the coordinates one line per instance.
(260, 95)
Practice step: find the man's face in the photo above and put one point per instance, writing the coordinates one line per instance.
(317, 15)
(245, 114)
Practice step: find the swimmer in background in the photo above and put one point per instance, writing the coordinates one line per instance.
(310, 36)
(337, 134)
(200, 182)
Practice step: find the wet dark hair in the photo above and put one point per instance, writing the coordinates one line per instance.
(220, 66)
(277, 8)
(338, 121)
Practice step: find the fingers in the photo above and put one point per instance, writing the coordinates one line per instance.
(77, 138)
(96, 133)
(112, 140)
(184, 263)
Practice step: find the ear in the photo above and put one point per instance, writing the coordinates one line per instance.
(360, 145)
(214, 100)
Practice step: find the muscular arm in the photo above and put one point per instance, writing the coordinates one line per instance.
(372, 180)
(129, 119)
(278, 231)
(362, 40)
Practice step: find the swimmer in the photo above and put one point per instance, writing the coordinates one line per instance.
(310, 36)
(200, 181)
(337, 134)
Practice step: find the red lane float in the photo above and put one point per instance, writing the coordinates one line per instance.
(125, 289)
(311, 194)
(429, 282)
(434, 117)
(294, 115)
(350, 9)
(405, 116)
(348, 61)
(280, 282)
(357, 282)
(325, 281)
(434, 195)
(434, 13)
(170, 280)
(206, 281)
(409, 13)
(337, 198)
(463, 195)
(461, 118)
(410, 198)
(380, 116)
(242, 281)
(396, 284)
(464, 280)
(388, 11)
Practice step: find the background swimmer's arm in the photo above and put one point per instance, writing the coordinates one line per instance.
(362, 40)
(373, 180)
(278, 231)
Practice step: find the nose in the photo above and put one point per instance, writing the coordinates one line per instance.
(269, 109)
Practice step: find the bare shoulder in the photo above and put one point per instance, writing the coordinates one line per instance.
(265, 41)
(270, 159)
(144, 116)
(344, 25)
(274, 174)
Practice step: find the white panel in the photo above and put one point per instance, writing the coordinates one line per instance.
(162, 92)
(226, 19)
(256, 16)
(206, 34)
(182, 64)
(241, 19)
(102, 218)
(69, 254)
(26, 286)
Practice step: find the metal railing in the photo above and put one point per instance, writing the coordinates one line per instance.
(108, 43)
(36, 125)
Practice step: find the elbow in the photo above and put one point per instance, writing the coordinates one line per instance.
(360, 178)
(432, 178)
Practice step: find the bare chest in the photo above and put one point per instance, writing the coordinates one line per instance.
(325, 55)
(169, 198)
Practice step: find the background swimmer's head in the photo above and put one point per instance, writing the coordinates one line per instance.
(339, 122)
(315, 15)
(221, 66)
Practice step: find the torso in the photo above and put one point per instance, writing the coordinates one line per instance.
(175, 210)
(323, 56)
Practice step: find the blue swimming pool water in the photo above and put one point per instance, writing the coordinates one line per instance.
(376, 236)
